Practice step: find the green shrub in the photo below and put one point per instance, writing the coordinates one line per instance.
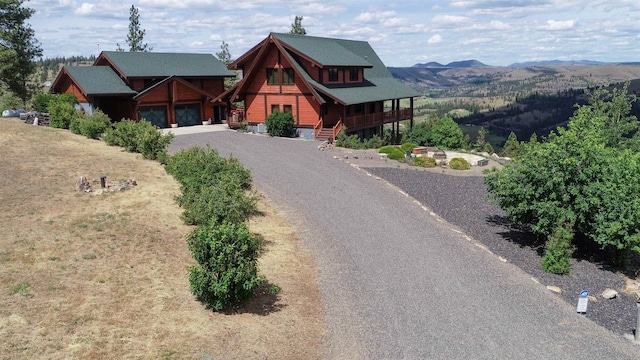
(216, 203)
(74, 125)
(393, 152)
(141, 137)
(198, 165)
(408, 146)
(374, 142)
(459, 164)
(420, 134)
(123, 134)
(424, 161)
(92, 126)
(558, 250)
(279, 124)
(61, 114)
(214, 188)
(227, 270)
(41, 101)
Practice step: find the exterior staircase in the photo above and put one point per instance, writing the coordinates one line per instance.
(325, 134)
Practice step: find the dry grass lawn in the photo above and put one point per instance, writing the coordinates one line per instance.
(85, 276)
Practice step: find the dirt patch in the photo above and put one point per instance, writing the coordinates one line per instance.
(105, 276)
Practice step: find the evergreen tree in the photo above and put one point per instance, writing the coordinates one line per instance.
(135, 37)
(18, 49)
(224, 55)
(296, 27)
(511, 146)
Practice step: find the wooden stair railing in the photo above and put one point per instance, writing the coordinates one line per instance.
(337, 128)
(316, 129)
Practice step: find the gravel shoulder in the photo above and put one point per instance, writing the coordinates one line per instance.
(459, 197)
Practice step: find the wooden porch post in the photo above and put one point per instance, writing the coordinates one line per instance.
(411, 107)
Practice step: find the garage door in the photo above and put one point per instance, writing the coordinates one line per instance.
(157, 115)
(187, 115)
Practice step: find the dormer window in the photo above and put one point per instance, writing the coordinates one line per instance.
(333, 74)
(353, 74)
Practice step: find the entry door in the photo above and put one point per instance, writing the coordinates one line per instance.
(187, 115)
(157, 115)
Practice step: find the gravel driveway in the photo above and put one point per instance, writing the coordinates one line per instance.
(399, 282)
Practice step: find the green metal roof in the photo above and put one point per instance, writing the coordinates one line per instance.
(98, 80)
(155, 64)
(379, 84)
(326, 51)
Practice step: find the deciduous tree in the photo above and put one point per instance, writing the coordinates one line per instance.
(581, 180)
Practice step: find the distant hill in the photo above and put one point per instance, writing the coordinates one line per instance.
(454, 65)
(557, 63)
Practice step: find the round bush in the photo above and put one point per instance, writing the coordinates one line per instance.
(392, 152)
(227, 270)
(408, 146)
(424, 161)
(279, 124)
(459, 164)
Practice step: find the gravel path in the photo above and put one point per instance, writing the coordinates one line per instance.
(462, 201)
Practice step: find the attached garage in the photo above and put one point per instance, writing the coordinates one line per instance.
(157, 115)
(187, 115)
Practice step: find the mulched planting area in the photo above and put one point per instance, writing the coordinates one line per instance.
(461, 201)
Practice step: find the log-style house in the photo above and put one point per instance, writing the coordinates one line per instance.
(326, 84)
(163, 88)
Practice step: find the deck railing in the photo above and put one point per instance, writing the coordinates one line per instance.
(379, 118)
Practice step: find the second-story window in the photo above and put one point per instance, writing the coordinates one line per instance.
(288, 78)
(272, 77)
(353, 74)
(333, 74)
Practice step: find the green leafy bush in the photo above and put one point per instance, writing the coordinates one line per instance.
(445, 133)
(214, 188)
(227, 270)
(123, 134)
(424, 161)
(420, 134)
(354, 142)
(141, 137)
(61, 114)
(279, 124)
(374, 142)
(393, 152)
(583, 175)
(459, 164)
(558, 250)
(408, 146)
(41, 101)
(92, 126)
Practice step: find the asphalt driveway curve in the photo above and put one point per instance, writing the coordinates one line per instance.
(398, 282)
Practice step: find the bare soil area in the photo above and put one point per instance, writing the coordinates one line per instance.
(86, 276)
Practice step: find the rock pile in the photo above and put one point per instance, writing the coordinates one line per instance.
(83, 185)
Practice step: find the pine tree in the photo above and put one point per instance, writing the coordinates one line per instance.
(296, 27)
(136, 35)
(224, 55)
(18, 49)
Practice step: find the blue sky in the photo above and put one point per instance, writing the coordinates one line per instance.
(403, 33)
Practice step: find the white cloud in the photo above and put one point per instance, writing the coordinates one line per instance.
(84, 9)
(435, 39)
(559, 25)
(373, 17)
